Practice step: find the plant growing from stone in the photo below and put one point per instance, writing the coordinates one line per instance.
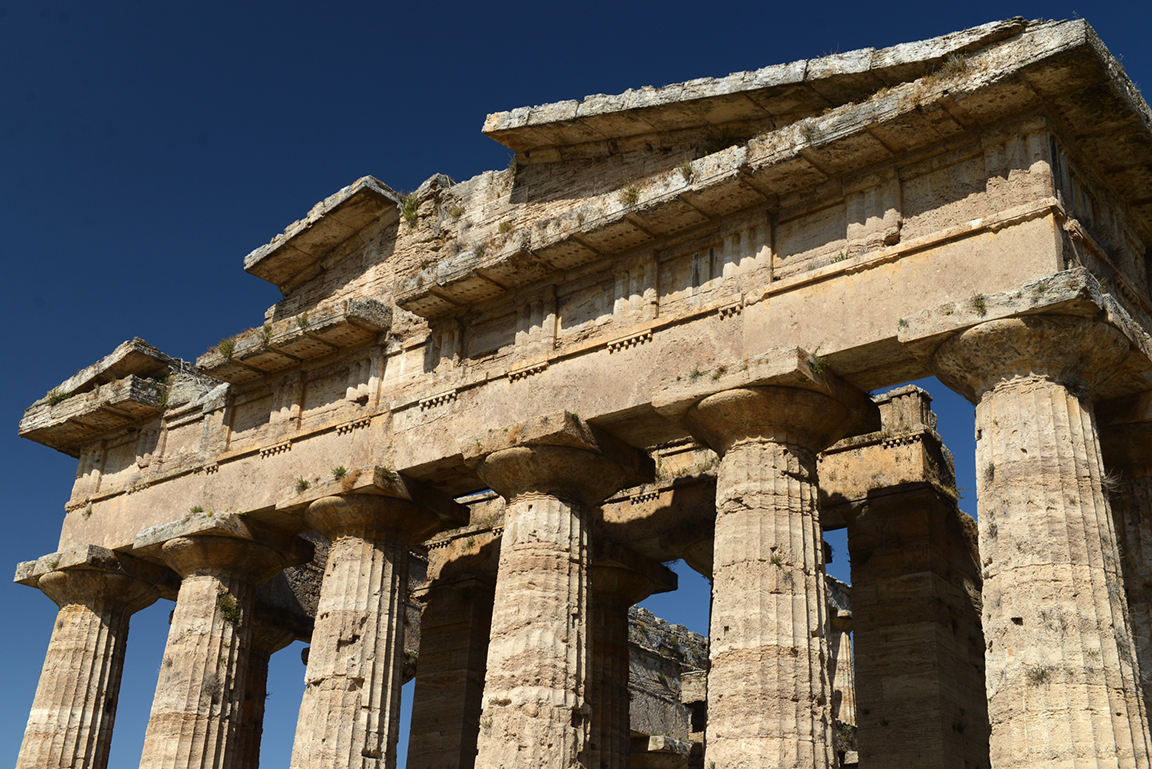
(1038, 675)
(408, 208)
(226, 347)
(228, 607)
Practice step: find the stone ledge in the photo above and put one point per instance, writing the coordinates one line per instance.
(149, 542)
(66, 424)
(132, 357)
(377, 481)
(302, 250)
(806, 85)
(92, 557)
(274, 347)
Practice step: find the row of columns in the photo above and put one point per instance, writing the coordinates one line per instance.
(1062, 672)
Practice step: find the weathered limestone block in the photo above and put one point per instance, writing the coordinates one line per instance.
(350, 711)
(70, 726)
(196, 714)
(1062, 676)
(619, 580)
(553, 471)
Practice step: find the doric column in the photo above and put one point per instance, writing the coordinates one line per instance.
(842, 668)
(916, 627)
(70, 726)
(1128, 456)
(350, 711)
(267, 639)
(769, 693)
(1061, 676)
(553, 471)
(620, 579)
(196, 713)
(769, 690)
(454, 627)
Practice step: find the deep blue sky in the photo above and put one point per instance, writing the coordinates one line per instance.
(145, 148)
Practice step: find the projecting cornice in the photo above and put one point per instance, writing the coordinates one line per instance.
(1057, 70)
(305, 248)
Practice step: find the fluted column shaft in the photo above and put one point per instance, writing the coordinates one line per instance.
(535, 710)
(1128, 457)
(843, 671)
(916, 630)
(1061, 674)
(769, 693)
(196, 712)
(70, 726)
(1133, 513)
(614, 590)
(267, 639)
(350, 711)
(446, 704)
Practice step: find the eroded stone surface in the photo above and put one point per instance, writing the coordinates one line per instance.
(1062, 676)
(536, 711)
(769, 687)
(196, 715)
(75, 706)
(350, 711)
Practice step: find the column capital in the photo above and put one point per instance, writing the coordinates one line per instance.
(223, 545)
(371, 517)
(786, 415)
(1077, 352)
(88, 586)
(715, 406)
(224, 558)
(89, 573)
(559, 455)
(622, 577)
(377, 481)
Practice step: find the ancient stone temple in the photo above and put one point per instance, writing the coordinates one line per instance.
(486, 414)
